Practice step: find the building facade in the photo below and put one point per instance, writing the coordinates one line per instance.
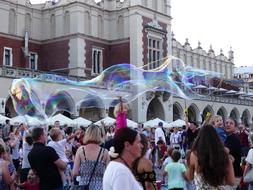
(80, 38)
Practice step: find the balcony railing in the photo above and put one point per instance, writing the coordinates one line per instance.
(14, 72)
(223, 99)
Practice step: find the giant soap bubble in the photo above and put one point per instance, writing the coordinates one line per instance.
(43, 96)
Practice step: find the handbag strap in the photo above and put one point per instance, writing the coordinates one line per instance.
(94, 166)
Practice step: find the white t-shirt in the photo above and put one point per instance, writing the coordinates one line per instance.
(117, 176)
(249, 157)
(26, 149)
(175, 138)
(59, 147)
(159, 134)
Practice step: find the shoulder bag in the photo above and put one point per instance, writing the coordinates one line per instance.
(86, 187)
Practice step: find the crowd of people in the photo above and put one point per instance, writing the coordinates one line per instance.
(216, 155)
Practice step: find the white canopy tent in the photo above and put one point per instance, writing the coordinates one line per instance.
(131, 124)
(154, 123)
(177, 123)
(107, 121)
(80, 121)
(231, 92)
(28, 120)
(3, 118)
(18, 120)
(200, 87)
(61, 118)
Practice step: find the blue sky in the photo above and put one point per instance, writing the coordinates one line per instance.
(220, 23)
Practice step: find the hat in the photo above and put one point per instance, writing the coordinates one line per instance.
(160, 124)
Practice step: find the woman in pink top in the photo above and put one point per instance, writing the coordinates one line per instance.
(120, 111)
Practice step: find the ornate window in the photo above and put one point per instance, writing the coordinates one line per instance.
(154, 52)
(33, 61)
(7, 57)
(97, 61)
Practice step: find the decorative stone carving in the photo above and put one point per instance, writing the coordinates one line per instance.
(149, 95)
(166, 96)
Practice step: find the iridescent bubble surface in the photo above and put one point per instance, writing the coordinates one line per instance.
(48, 94)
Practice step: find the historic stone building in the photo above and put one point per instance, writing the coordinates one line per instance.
(80, 38)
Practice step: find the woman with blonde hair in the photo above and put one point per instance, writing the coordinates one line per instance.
(86, 158)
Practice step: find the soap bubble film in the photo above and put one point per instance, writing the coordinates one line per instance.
(47, 94)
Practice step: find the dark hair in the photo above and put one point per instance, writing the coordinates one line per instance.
(194, 123)
(144, 142)
(7, 121)
(160, 142)
(211, 155)
(121, 136)
(5, 139)
(69, 130)
(36, 133)
(231, 118)
(160, 124)
(176, 155)
(29, 139)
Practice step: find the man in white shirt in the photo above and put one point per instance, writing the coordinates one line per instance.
(175, 138)
(159, 134)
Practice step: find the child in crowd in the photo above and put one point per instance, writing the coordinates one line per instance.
(59, 144)
(217, 122)
(68, 171)
(161, 149)
(32, 182)
(168, 157)
(176, 172)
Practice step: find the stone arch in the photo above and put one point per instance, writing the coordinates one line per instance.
(177, 111)
(155, 109)
(9, 108)
(91, 108)
(235, 114)
(100, 26)
(207, 109)
(67, 23)
(194, 113)
(12, 21)
(223, 113)
(246, 117)
(87, 23)
(120, 26)
(59, 102)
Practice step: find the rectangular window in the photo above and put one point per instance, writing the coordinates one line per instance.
(33, 61)
(7, 57)
(154, 52)
(97, 61)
